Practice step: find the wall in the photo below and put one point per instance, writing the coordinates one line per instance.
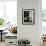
(31, 32)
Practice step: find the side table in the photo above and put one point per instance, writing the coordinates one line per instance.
(1, 34)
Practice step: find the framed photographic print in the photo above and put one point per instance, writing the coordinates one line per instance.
(28, 16)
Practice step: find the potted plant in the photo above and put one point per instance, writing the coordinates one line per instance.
(1, 22)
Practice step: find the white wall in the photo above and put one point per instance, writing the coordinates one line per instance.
(31, 32)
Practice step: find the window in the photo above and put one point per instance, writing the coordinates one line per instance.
(11, 11)
(44, 16)
(1, 9)
(43, 12)
(8, 11)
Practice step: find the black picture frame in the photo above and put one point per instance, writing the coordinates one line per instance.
(28, 16)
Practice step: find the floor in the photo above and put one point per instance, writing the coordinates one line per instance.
(2, 43)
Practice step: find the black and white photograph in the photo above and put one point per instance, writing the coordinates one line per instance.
(28, 16)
